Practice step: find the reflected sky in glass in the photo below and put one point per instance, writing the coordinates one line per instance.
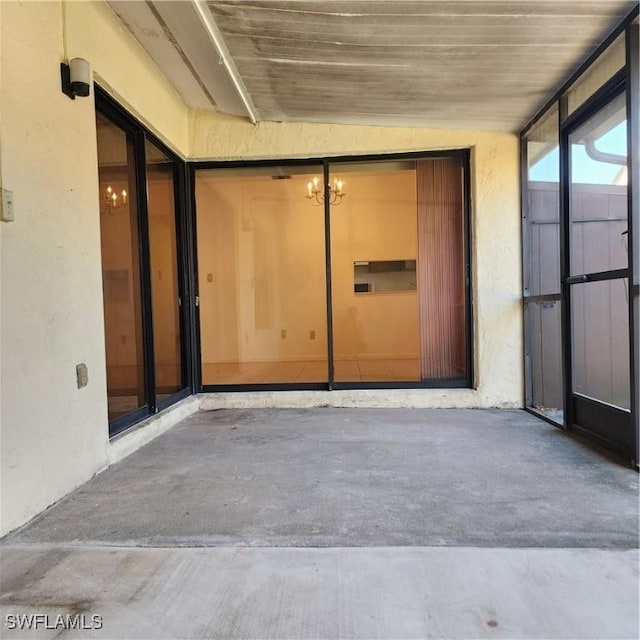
(586, 170)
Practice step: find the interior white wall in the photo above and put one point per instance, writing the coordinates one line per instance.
(54, 436)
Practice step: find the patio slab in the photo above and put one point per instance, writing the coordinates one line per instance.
(353, 478)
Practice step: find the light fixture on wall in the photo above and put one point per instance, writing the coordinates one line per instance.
(315, 191)
(76, 78)
(114, 201)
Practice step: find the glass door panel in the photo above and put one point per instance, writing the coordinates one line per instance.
(261, 276)
(119, 237)
(398, 272)
(165, 287)
(374, 252)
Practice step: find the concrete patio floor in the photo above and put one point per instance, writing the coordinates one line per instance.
(340, 523)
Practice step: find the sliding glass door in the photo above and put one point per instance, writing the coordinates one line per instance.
(334, 275)
(142, 274)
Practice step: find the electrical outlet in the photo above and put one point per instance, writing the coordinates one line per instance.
(283, 333)
(312, 335)
(82, 375)
(209, 277)
(6, 206)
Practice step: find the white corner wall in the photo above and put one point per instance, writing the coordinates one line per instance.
(496, 239)
(53, 435)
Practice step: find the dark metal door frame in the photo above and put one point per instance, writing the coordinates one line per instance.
(609, 425)
(327, 163)
(138, 135)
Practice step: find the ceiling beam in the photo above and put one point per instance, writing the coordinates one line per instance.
(225, 57)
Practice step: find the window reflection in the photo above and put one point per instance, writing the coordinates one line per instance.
(598, 195)
(126, 388)
(165, 291)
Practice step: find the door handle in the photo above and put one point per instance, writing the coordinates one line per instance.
(577, 279)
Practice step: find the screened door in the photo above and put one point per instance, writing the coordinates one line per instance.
(597, 285)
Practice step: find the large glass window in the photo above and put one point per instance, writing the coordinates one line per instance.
(261, 271)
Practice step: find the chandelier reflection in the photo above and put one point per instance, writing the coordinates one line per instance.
(114, 201)
(315, 191)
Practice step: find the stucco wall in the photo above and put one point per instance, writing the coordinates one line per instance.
(123, 68)
(54, 436)
(495, 224)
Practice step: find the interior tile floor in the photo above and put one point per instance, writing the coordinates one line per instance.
(383, 370)
(340, 523)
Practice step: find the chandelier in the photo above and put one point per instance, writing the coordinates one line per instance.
(114, 201)
(316, 193)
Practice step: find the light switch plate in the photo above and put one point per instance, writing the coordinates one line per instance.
(6, 209)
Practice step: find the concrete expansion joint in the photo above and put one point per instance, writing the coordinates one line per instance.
(356, 523)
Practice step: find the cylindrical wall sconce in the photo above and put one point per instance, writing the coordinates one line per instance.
(76, 78)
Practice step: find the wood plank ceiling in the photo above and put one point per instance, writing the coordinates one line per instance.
(439, 63)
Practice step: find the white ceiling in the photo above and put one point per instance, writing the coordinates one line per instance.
(485, 64)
